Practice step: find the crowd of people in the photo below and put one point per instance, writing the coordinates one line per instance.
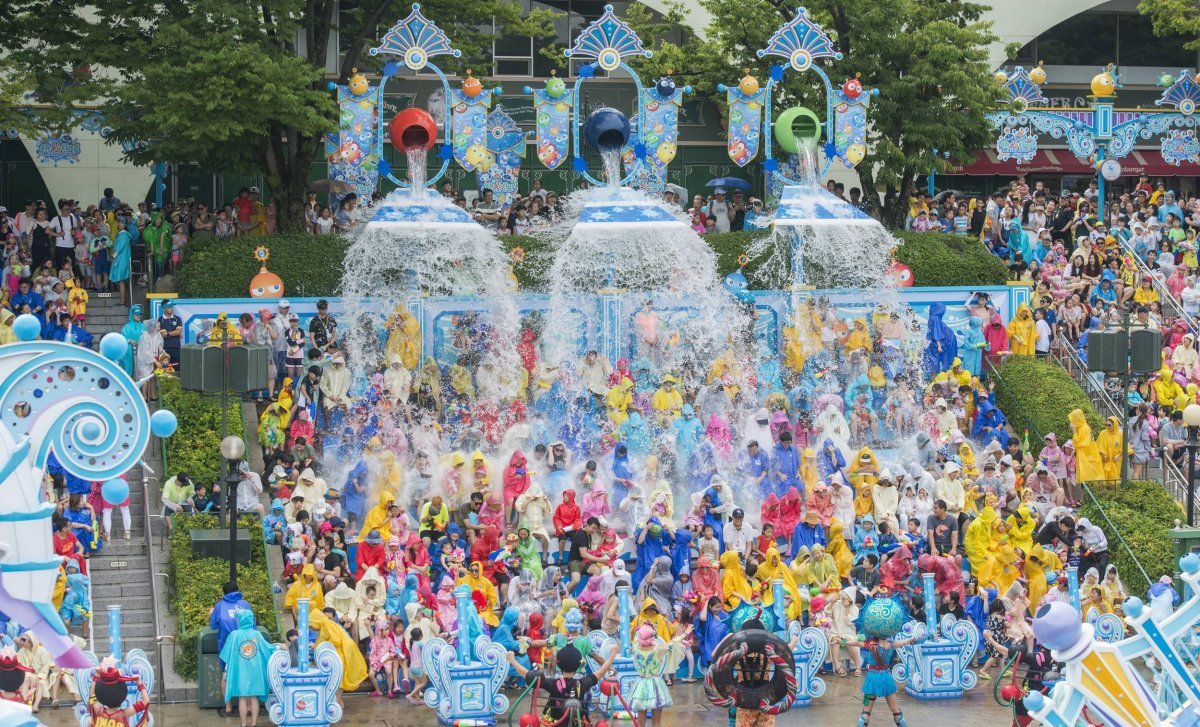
(835, 469)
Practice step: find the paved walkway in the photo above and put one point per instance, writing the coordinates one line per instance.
(839, 707)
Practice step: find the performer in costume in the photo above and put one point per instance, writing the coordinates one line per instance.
(882, 620)
(567, 690)
(108, 694)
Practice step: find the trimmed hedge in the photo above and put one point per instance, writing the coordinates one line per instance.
(1036, 395)
(311, 265)
(1144, 512)
(196, 585)
(939, 260)
(195, 447)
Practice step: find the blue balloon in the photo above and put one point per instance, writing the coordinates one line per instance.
(113, 346)
(115, 491)
(163, 423)
(27, 327)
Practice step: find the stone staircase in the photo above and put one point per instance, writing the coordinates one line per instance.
(119, 575)
(105, 315)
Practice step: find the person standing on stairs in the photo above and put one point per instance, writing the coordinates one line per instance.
(224, 619)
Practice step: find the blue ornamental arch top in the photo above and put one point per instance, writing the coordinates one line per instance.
(609, 40)
(415, 39)
(1022, 90)
(1183, 94)
(800, 41)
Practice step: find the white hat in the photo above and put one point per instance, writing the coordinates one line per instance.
(293, 317)
(1006, 459)
(952, 467)
(283, 303)
(254, 190)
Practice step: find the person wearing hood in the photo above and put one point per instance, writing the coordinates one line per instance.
(807, 533)
(942, 346)
(1108, 444)
(341, 600)
(990, 424)
(950, 489)
(1021, 332)
(306, 585)
(830, 460)
(475, 578)
(533, 507)
(149, 348)
(224, 614)
(504, 634)
(354, 666)
(1088, 465)
(667, 401)
(785, 466)
(1052, 456)
(132, 332)
(619, 400)
(973, 346)
(842, 497)
(734, 584)
(790, 508)
(652, 540)
(926, 451)
(885, 498)
(688, 431)
(516, 482)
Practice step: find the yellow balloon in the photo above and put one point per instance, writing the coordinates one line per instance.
(855, 153)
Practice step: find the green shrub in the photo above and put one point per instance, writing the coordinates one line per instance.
(1036, 395)
(1143, 512)
(939, 260)
(196, 585)
(311, 266)
(195, 446)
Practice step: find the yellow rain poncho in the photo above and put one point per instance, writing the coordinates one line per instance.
(966, 457)
(1022, 335)
(1109, 446)
(1166, 388)
(306, 586)
(558, 624)
(404, 337)
(1088, 466)
(734, 584)
(864, 468)
(824, 570)
(1020, 528)
(977, 542)
(859, 338)
(619, 399)
(773, 567)
(430, 375)
(662, 627)
(377, 518)
(487, 588)
(799, 567)
(1001, 569)
(1038, 562)
(354, 667)
(838, 548)
(808, 469)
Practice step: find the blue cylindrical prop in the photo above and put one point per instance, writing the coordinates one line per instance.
(606, 128)
(623, 618)
(115, 648)
(927, 586)
(781, 623)
(464, 606)
(1073, 587)
(302, 629)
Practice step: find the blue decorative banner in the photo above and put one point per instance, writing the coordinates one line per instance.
(353, 151)
(850, 121)
(506, 144)
(651, 175)
(1179, 146)
(1018, 143)
(468, 121)
(745, 121)
(552, 115)
(55, 149)
(661, 133)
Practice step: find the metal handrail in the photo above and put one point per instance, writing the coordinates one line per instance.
(995, 377)
(158, 635)
(1164, 295)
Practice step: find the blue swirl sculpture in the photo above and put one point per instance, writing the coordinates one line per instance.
(73, 403)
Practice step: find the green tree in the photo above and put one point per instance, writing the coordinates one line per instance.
(1174, 17)
(928, 60)
(233, 86)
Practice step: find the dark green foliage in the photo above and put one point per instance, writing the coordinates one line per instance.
(195, 447)
(1037, 396)
(196, 585)
(948, 260)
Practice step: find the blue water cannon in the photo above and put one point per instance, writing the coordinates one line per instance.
(606, 129)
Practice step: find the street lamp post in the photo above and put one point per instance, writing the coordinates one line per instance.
(232, 450)
(1191, 417)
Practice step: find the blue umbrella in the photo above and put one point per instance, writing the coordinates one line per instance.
(728, 182)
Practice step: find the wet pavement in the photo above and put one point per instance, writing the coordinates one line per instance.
(839, 707)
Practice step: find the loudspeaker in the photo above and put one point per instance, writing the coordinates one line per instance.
(1108, 351)
(1145, 349)
(202, 368)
